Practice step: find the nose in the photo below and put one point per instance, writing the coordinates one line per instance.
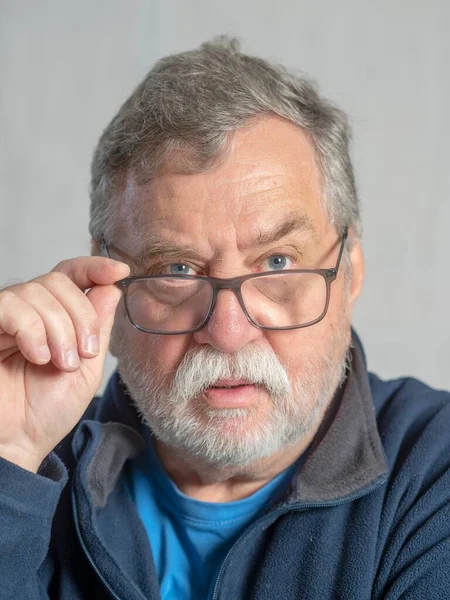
(228, 329)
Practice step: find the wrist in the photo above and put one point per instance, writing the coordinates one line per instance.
(20, 458)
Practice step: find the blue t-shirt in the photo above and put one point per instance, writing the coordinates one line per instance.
(190, 538)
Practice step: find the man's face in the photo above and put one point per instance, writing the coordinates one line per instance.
(221, 224)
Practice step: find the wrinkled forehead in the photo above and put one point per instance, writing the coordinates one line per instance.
(269, 177)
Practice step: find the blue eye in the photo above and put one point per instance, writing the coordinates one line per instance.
(277, 262)
(179, 269)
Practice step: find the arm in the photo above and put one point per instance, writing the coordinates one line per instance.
(27, 505)
(415, 559)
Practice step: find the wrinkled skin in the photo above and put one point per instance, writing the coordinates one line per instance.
(218, 216)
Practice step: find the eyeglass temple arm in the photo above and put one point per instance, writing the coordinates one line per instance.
(103, 247)
(341, 251)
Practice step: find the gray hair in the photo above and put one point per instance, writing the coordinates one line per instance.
(193, 102)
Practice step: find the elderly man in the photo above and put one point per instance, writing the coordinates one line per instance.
(241, 450)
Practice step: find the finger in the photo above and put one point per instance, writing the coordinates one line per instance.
(86, 271)
(79, 309)
(21, 321)
(5, 354)
(7, 341)
(59, 329)
(105, 300)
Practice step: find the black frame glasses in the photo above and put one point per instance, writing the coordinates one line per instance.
(234, 284)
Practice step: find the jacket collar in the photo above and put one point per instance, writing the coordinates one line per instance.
(345, 458)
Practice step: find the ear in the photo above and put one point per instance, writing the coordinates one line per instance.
(358, 270)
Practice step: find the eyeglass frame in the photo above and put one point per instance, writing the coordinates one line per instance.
(231, 283)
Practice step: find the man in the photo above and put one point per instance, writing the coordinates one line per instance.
(241, 450)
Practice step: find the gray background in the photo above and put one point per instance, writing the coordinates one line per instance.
(65, 68)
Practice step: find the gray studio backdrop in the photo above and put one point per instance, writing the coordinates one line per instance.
(65, 68)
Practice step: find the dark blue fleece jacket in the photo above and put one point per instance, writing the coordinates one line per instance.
(367, 515)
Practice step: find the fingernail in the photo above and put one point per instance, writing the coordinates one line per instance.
(71, 359)
(91, 344)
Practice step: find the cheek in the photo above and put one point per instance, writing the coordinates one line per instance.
(298, 348)
(163, 351)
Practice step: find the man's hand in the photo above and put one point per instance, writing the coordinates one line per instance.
(53, 343)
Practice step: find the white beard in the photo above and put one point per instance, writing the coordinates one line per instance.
(234, 437)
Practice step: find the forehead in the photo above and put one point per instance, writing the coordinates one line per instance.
(270, 174)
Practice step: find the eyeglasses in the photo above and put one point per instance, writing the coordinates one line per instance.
(274, 301)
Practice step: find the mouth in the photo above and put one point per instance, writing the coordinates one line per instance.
(232, 394)
(228, 384)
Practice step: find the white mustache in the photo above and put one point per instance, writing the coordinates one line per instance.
(203, 368)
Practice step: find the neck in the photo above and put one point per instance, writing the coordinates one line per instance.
(210, 483)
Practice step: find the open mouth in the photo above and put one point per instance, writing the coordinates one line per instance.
(229, 384)
(232, 394)
(230, 387)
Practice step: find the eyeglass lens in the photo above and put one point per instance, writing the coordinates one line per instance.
(276, 300)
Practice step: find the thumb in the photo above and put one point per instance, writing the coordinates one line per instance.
(104, 299)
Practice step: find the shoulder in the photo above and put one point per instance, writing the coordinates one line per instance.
(406, 401)
(413, 422)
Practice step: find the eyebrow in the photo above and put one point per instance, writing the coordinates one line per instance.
(294, 223)
(159, 247)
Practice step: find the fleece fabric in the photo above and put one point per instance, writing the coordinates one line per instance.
(190, 538)
(366, 516)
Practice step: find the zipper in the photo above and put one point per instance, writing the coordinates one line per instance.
(86, 551)
(280, 511)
